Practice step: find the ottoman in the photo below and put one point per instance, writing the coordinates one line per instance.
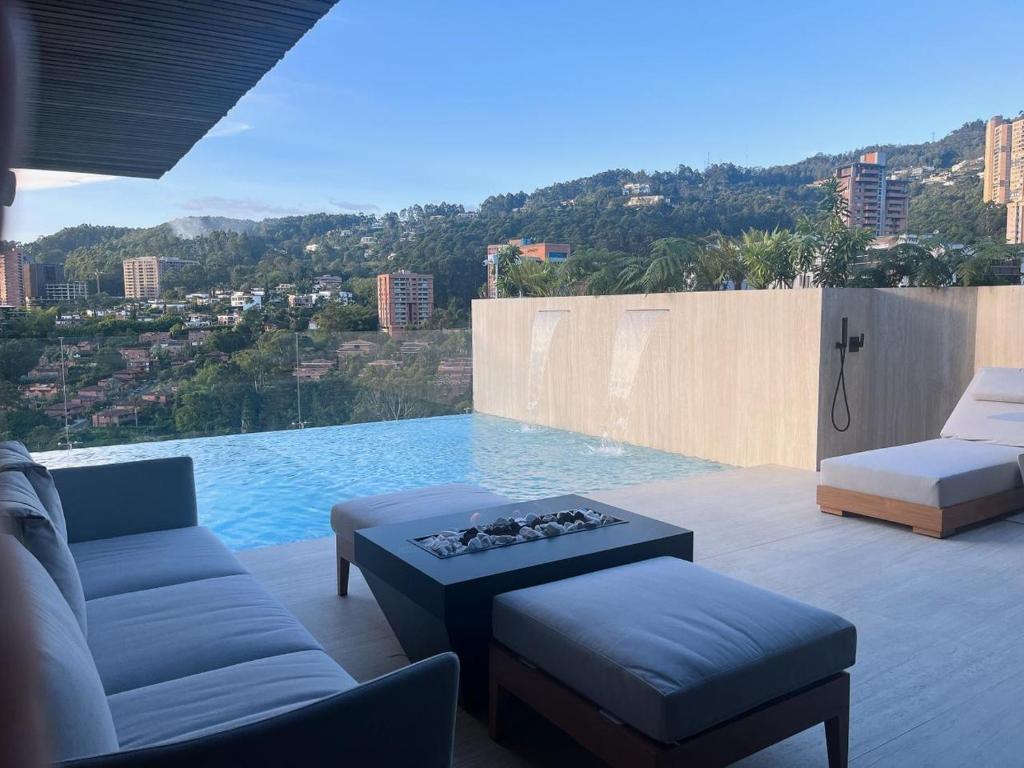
(662, 662)
(349, 516)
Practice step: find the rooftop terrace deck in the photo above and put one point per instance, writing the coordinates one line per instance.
(940, 622)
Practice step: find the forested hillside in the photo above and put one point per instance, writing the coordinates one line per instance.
(589, 213)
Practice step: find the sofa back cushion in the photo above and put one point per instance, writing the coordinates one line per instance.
(991, 410)
(78, 716)
(39, 524)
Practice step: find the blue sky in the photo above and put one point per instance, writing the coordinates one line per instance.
(386, 103)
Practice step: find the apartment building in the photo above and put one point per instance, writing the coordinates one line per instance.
(876, 201)
(37, 277)
(12, 278)
(528, 249)
(1004, 172)
(67, 292)
(143, 275)
(404, 300)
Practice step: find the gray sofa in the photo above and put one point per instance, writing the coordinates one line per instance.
(159, 648)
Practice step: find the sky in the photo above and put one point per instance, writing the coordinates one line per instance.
(387, 103)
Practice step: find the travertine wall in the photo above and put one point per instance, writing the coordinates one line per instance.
(742, 377)
(730, 376)
(923, 346)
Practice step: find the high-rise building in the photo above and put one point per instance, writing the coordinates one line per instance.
(404, 300)
(528, 249)
(143, 275)
(876, 202)
(1004, 172)
(12, 278)
(37, 276)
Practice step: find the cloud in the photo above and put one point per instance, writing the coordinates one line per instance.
(236, 207)
(227, 128)
(29, 179)
(350, 207)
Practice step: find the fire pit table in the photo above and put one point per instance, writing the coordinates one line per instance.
(436, 588)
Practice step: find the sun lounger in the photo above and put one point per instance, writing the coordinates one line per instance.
(969, 474)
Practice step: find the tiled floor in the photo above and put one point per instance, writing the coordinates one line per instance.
(941, 622)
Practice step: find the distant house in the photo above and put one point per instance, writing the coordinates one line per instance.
(302, 300)
(356, 347)
(313, 370)
(384, 364)
(328, 283)
(635, 189)
(136, 359)
(115, 417)
(154, 337)
(198, 337)
(413, 347)
(643, 201)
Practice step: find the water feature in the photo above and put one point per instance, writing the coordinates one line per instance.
(545, 323)
(632, 335)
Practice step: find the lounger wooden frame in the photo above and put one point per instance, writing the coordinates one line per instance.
(621, 746)
(930, 521)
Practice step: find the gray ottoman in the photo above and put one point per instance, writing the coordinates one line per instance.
(663, 662)
(349, 516)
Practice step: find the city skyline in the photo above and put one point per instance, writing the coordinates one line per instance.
(345, 125)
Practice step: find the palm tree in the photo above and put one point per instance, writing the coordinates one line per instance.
(768, 258)
(722, 264)
(672, 266)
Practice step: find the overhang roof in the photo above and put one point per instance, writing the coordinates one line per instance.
(127, 87)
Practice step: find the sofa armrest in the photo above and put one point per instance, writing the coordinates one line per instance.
(404, 718)
(110, 500)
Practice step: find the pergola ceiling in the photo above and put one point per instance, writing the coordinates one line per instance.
(127, 87)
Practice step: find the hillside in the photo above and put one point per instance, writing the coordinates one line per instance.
(445, 240)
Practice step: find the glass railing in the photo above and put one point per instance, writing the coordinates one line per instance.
(70, 392)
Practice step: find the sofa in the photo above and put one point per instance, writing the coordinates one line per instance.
(969, 474)
(158, 648)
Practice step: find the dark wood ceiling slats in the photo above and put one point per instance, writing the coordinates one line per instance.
(126, 87)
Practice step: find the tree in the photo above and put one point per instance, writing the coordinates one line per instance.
(769, 258)
(722, 263)
(828, 238)
(346, 317)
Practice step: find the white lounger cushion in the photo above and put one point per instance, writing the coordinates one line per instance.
(937, 473)
(980, 416)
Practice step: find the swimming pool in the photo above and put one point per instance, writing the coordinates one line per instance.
(274, 487)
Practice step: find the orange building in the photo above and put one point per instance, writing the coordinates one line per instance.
(528, 249)
(875, 201)
(12, 278)
(404, 300)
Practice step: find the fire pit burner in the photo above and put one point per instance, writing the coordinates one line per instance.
(506, 531)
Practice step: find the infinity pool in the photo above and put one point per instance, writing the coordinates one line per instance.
(275, 487)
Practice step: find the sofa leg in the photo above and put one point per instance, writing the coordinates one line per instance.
(343, 566)
(837, 739)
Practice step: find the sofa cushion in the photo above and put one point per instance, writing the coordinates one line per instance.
(42, 536)
(347, 517)
(154, 635)
(148, 560)
(15, 456)
(669, 647)
(937, 473)
(225, 698)
(77, 715)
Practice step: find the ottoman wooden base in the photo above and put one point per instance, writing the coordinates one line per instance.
(620, 745)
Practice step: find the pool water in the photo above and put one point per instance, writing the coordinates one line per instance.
(274, 487)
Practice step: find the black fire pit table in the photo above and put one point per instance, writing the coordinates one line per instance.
(440, 603)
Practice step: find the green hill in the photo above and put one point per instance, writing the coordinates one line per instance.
(450, 243)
